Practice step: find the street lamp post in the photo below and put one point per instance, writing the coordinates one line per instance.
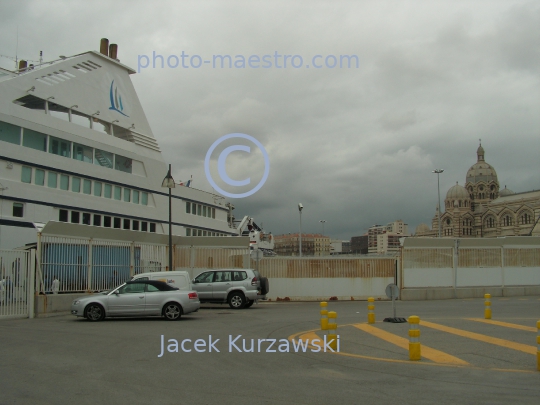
(168, 182)
(300, 208)
(439, 171)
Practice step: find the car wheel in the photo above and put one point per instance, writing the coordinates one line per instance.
(265, 286)
(172, 311)
(236, 300)
(94, 313)
(249, 303)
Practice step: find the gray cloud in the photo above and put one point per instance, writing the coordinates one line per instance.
(355, 146)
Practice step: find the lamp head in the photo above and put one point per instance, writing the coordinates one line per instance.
(300, 207)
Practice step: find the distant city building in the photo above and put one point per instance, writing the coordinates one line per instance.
(388, 242)
(481, 209)
(345, 246)
(359, 244)
(312, 244)
(397, 227)
(339, 247)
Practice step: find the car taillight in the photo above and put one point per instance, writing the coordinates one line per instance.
(192, 296)
(254, 281)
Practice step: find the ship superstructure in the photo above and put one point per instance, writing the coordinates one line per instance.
(75, 146)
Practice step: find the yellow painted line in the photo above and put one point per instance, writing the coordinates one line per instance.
(505, 324)
(483, 338)
(432, 354)
(310, 334)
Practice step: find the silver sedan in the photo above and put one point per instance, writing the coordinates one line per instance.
(137, 298)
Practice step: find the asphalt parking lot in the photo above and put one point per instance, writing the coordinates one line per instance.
(67, 360)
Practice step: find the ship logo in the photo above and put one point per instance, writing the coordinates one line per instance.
(116, 100)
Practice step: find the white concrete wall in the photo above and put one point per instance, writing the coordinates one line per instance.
(479, 277)
(414, 278)
(521, 276)
(324, 288)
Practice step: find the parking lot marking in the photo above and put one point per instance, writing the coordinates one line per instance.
(432, 354)
(483, 338)
(505, 324)
(310, 334)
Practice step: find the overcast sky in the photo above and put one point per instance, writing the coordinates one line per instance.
(356, 146)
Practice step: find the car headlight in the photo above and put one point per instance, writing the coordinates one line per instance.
(76, 302)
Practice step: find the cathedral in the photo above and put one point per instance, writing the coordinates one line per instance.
(480, 209)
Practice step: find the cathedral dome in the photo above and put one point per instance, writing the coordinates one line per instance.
(422, 228)
(457, 192)
(506, 191)
(481, 170)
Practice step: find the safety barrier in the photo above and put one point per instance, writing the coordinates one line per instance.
(414, 338)
(371, 309)
(487, 306)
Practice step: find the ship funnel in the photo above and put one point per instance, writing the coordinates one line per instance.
(104, 46)
(22, 64)
(113, 51)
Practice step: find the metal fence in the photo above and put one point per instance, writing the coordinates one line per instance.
(278, 267)
(82, 265)
(15, 283)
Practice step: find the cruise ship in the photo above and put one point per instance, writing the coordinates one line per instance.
(76, 147)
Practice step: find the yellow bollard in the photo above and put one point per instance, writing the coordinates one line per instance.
(414, 338)
(332, 331)
(324, 315)
(538, 349)
(371, 309)
(487, 305)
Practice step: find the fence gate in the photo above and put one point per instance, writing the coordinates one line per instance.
(16, 283)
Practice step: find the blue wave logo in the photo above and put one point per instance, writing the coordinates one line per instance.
(116, 100)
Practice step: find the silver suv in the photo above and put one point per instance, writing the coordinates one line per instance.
(240, 288)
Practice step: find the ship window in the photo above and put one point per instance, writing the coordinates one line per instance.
(97, 188)
(117, 222)
(34, 140)
(83, 153)
(199, 209)
(152, 227)
(194, 209)
(86, 218)
(204, 233)
(103, 158)
(127, 224)
(76, 184)
(117, 193)
(59, 147)
(26, 174)
(40, 177)
(97, 220)
(122, 163)
(188, 232)
(18, 210)
(135, 225)
(188, 208)
(63, 216)
(107, 191)
(127, 195)
(10, 133)
(199, 232)
(107, 221)
(214, 213)
(135, 197)
(87, 186)
(64, 182)
(144, 198)
(75, 217)
(204, 211)
(144, 226)
(52, 180)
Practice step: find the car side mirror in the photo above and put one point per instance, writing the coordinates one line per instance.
(195, 281)
(116, 292)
